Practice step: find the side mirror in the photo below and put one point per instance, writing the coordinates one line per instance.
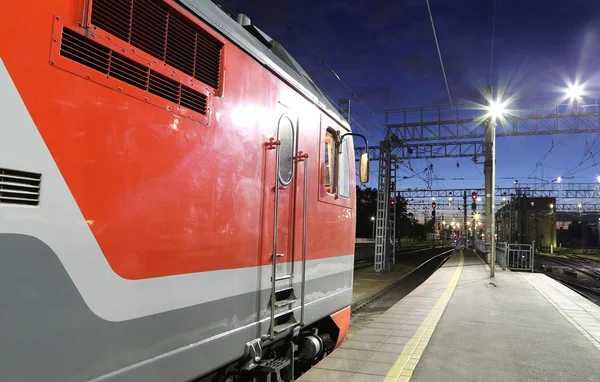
(364, 167)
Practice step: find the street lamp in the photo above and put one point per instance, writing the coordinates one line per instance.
(574, 91)
(373, 222)
(496, 109)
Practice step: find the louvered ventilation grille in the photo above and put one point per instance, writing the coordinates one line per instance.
(19, 187)
(91, 54)
(157, 29)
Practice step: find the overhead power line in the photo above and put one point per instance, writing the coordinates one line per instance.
(229, 7)
(323, 62)
(352, 120)
(439, 54)
(493, 35)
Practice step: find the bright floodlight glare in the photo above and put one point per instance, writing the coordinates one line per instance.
(558, 180)
(574, 91)
(598, 179)
(496, 109)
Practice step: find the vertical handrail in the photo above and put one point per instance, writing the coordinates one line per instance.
(304, 158)
(274, 144)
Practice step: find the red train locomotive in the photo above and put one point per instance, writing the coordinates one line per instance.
(177, 197)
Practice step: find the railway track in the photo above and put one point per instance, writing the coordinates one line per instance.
(575, 264)
(363, 263)
(589, 293)
(572, 266)
(365, 301)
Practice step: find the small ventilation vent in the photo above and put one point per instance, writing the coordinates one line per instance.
(157, 29)
(86, 52)
(96, 56)
(164, 87)
(19, 187)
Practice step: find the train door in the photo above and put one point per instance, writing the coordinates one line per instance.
(286, 283)
(283, 234)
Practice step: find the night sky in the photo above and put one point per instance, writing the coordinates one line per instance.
(385, 51)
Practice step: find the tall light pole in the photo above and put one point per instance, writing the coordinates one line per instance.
(466, 229)
(490, 186)
(496, 109)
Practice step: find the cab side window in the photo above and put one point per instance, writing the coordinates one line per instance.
(330, 162)
(336, 165)
(344, 171)
(336, 177)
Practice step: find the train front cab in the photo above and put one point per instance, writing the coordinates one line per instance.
(125, 267)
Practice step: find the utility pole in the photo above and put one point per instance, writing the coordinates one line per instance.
(510, 223)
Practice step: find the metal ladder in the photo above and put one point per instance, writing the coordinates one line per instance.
(281, 301)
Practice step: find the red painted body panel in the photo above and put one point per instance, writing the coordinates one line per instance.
(342, 320)
(163, 194)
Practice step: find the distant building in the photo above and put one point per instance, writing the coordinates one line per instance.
(585, 233)
(523, 220)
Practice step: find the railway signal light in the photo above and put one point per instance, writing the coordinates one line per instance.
(433, 205)
(474, 196)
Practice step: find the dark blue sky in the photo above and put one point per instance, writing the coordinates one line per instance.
(385, 51)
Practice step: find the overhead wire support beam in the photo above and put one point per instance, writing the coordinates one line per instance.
(559, 207)
(564, 191)
(534, 117)
(453, 193)
(466, 149)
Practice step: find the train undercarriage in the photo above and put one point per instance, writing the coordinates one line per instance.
(282, 360)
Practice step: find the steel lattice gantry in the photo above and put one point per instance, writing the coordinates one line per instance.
(385, 221)
(412, 134)
(559, 207)
(531, 117)
(403, 151)
(558, 190)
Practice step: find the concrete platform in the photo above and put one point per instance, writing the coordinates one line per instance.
(458, 327)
